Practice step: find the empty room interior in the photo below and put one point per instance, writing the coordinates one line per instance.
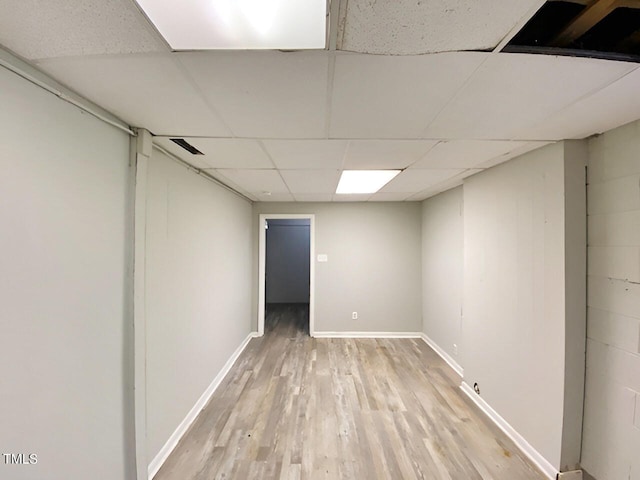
(320, 239)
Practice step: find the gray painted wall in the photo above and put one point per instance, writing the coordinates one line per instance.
(611, 441)
(373, 265)
(65, 327)
(442, 269)
(520, 332)
(198, 289)
(287, 261)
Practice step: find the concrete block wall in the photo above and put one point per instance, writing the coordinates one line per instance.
(611, 438)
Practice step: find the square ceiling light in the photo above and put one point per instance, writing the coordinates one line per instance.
(364, 181)
(239, 24)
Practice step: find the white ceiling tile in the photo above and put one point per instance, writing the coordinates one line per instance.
(351, 197)
(444, 185)
(275, 197)
(385, 154)
(221, 178)
(146, 91)
(526, 147)
(395, 96)
(311, 181)
(416, 180)
(389, 197)
(256, 182)
(221, 152)
(164, 145)
(62, 28)
(465, 153)
(264, 94)
(313, 197)
(301, 154)
(511, 93)
(611, 107)
(402, 27)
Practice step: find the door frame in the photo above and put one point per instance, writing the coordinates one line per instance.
(262, 254)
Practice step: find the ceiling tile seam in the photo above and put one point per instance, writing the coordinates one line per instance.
(344, 155)
(285, 182)
(342, 23)
(455, 95)
(377, 139)
(443, 182)
(267, 153)
(151, 27)
(518, 26)
(333, 23)
(331, 69)
(583, 98)
(423, 156)
(199, 92)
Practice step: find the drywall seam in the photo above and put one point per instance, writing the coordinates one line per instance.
(525, 447)
(367, 335)
(444, 355)
(173, 440)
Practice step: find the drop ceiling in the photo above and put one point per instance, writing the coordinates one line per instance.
(420, 86)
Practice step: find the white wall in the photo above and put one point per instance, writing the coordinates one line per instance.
(373, 264)
(198, 289)
(65, 331)
(611, 442)
(442, 267)
(514, 342)
(287, 261)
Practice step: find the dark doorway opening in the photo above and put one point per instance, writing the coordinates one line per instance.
(287, 276)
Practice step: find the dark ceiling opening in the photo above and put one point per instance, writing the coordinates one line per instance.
(607, 29)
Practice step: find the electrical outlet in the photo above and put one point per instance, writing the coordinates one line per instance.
(455, 349)
(354, 315)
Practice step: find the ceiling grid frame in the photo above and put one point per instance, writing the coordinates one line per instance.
(89, 74)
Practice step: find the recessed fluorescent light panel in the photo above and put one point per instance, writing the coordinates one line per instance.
(239, 24)
(364, 181)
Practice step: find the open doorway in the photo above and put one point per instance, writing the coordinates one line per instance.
(286, 273)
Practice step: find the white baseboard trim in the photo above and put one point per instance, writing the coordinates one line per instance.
(444, 355)
(549, 470)
(168, 447)
(572, 475)
(366, 334)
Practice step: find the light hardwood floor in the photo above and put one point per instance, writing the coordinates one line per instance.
(297, 407)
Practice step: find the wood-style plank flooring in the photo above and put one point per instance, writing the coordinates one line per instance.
(294, 407)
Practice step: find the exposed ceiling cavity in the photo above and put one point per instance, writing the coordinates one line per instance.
(593, 28)
(410, 27)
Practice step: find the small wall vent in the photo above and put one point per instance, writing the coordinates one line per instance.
(187, 146)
